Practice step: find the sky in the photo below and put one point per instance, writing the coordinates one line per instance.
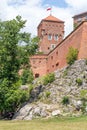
(35, 10)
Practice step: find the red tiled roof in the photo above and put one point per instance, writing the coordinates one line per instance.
(52, 18)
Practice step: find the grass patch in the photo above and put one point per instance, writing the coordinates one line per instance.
(70, 123)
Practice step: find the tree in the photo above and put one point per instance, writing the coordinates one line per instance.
(27, 50)
(11, 60)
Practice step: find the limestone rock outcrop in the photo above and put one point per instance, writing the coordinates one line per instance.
(70, 82)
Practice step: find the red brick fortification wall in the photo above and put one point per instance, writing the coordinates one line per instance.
(83, 46)
(57, 58)
(39, 65)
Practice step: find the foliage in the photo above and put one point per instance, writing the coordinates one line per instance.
(48, 93)
(27, 76)
(79, 81)
(65, 73)
(11, 98)
(30, 88)
(83, 108)
(83, 93)
(72, 55)
(13, 56)
(65, 100)
(49, 78)
(75, 25)
(39, 52)
(27, 50)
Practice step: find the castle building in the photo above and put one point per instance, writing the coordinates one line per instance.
(51, 32)
(54, 47)
(79, 18)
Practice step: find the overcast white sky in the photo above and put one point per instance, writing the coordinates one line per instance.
(35, 10)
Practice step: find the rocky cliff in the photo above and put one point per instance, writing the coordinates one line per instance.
(66, 96)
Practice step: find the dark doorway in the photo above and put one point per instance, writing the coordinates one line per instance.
(36, 75)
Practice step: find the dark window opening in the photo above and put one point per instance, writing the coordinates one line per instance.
(57, 64)
(35, 67)
(49, 37)
(52, 66)
(36, 75)
(57, 52)
(47, 70)
(56, 37)
(48, 48)
(51, 57)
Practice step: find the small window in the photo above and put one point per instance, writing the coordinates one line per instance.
(47, 70)
(79, 19)
(56, 37)
(57, 52)
(86, 18)
(43, 32)
(36, 75)
(49, 37)
(34, 67)
(48, 48)
(57, 63)
(52, 46)
(51, 57)
(52, 66)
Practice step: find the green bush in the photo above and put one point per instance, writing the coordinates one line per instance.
(65, 73)
(65, 100)
(79, 81)
(11, 98)
(48, 94)
(49, 78)
(27, 77)
(72, 55)
(83, 94)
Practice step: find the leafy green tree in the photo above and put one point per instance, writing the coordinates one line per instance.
(27, 50)
(11, 60)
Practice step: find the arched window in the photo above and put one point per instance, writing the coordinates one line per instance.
(49, 37)
(56, 37)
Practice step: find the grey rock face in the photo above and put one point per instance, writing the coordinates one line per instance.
(56, 113)
(65, 85)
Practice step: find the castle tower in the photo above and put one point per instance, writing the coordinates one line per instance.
(77, 19)
(51, 33)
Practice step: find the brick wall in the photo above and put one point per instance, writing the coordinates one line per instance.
(83, 46)
(49, 27)
(39, 65)
(57, 58)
